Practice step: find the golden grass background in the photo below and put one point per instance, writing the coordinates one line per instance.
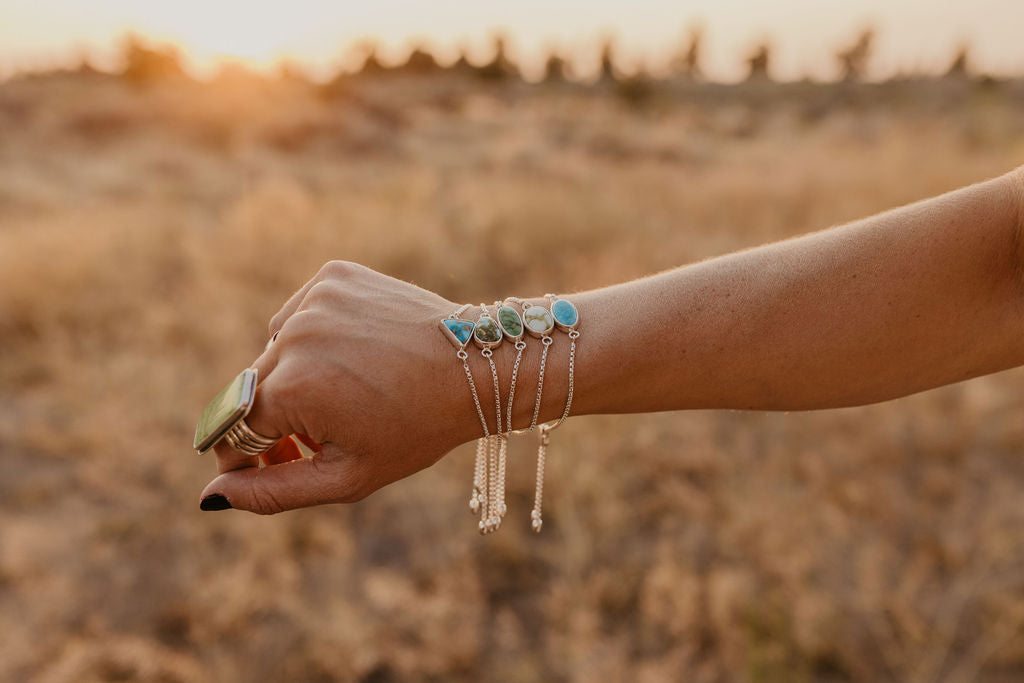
(149, 231)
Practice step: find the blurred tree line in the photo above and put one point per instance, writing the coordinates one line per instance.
(143, 62)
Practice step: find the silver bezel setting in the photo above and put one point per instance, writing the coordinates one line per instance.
(487, 344)
(561, 326)
(249, 382)
(451, 335)
(505, 332)
(530, 330)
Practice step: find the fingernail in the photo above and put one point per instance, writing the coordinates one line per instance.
(214, 502)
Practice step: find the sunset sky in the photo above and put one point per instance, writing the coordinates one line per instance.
(912, 34)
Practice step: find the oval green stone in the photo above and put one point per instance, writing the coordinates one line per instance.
(487, 331)
(510, 322)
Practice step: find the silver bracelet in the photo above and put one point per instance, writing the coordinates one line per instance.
(491, 460)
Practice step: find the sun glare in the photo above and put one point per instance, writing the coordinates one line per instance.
(257, 35)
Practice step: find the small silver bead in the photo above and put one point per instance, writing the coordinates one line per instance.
(537, 524)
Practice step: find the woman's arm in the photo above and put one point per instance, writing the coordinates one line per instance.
(914, 298)
(910, 299)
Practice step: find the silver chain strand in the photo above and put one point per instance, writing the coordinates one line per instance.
(459, 311)
(573, 335)
(493, 520)
(472, 389)
(478, 499)
(540, 380)
(502, 508)
(503, 456)
(493, 445)
(536, 521)
(520, 345)
(487, 497)
(481, 486)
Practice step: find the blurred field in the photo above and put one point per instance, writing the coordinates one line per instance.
(148, 231)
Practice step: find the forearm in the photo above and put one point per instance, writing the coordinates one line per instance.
(914, 298)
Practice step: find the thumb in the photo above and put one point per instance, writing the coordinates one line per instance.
(327, 477)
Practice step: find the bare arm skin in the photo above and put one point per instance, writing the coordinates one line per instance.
(911, 299)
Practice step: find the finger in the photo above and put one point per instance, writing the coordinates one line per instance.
(268, 417)
(229, 459)
(331, 269)
(284, 450)
(274, 351)
(288, 309)
(290, 485)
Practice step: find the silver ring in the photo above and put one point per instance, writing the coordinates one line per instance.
(242, 438)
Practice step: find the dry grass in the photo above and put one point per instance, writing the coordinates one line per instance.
(147, 234)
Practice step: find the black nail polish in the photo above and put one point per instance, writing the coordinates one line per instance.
(214, 502)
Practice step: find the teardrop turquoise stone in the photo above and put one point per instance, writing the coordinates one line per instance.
(461, 330)
(565, 313)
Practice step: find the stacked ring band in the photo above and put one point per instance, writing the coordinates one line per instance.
(242, 438)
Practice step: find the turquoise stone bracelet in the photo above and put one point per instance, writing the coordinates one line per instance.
(565, 314)
(458, 332)
(538, 320)
(511, 323)
(487, 333)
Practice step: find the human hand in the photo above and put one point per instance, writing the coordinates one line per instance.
(360, 367)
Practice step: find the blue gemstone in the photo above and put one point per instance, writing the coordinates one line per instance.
(565, 313)
(460, 330)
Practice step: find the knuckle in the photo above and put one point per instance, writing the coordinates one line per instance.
(302, 325)
(337, 269)
(322, 291)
